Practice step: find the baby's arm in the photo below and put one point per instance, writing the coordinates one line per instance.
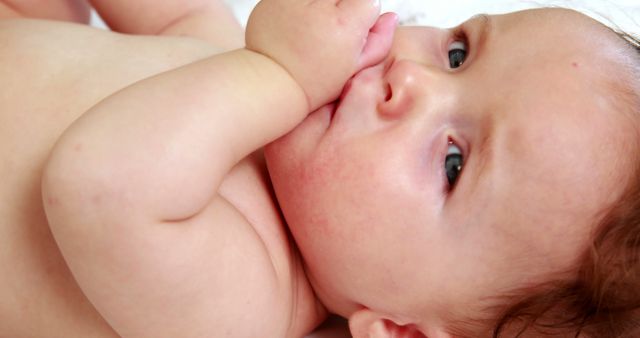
(179, 133)
(209, 20)
(130, 189)
(130, 192)
(186, 128)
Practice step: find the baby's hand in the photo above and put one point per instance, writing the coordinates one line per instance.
(321, 43)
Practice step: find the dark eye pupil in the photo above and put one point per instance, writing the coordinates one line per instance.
(453, 167)
(457, 57)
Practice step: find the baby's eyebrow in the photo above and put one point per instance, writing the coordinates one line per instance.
(480, 16)
(482, 27)
(485, 30)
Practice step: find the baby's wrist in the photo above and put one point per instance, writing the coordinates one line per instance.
(288, 70)
(265, 66)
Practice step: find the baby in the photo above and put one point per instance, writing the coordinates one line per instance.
(465, 182)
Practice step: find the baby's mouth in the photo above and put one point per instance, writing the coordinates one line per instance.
(333, 109)
(343, 94)
(346, 88)
(380, 70)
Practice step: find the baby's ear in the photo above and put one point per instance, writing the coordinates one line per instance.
(369, 324)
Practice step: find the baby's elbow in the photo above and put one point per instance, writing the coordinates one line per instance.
(73, 188)
(61, 180)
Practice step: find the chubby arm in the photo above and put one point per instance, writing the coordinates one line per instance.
(180, 131)
(130, 192)
(183, 130)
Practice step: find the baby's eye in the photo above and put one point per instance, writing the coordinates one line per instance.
(453, 164)
(457, 54)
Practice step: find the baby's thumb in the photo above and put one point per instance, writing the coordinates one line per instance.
(378, 41)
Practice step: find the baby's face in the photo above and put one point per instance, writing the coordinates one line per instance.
(429, 188)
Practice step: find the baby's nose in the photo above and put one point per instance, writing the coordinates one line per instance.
(408, 83)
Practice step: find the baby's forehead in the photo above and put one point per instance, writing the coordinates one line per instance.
(537, 23)
(569, 22)
(562, 148)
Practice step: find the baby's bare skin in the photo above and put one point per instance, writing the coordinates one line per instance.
(44, 90)
(53, 72)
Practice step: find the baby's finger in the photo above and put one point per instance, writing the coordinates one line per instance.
(379, 40)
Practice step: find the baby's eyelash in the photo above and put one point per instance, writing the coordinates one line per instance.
(459, 34)
(453, 164)
(458, 51)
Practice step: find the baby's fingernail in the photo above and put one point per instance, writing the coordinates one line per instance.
(396, 18)
(392, 17)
